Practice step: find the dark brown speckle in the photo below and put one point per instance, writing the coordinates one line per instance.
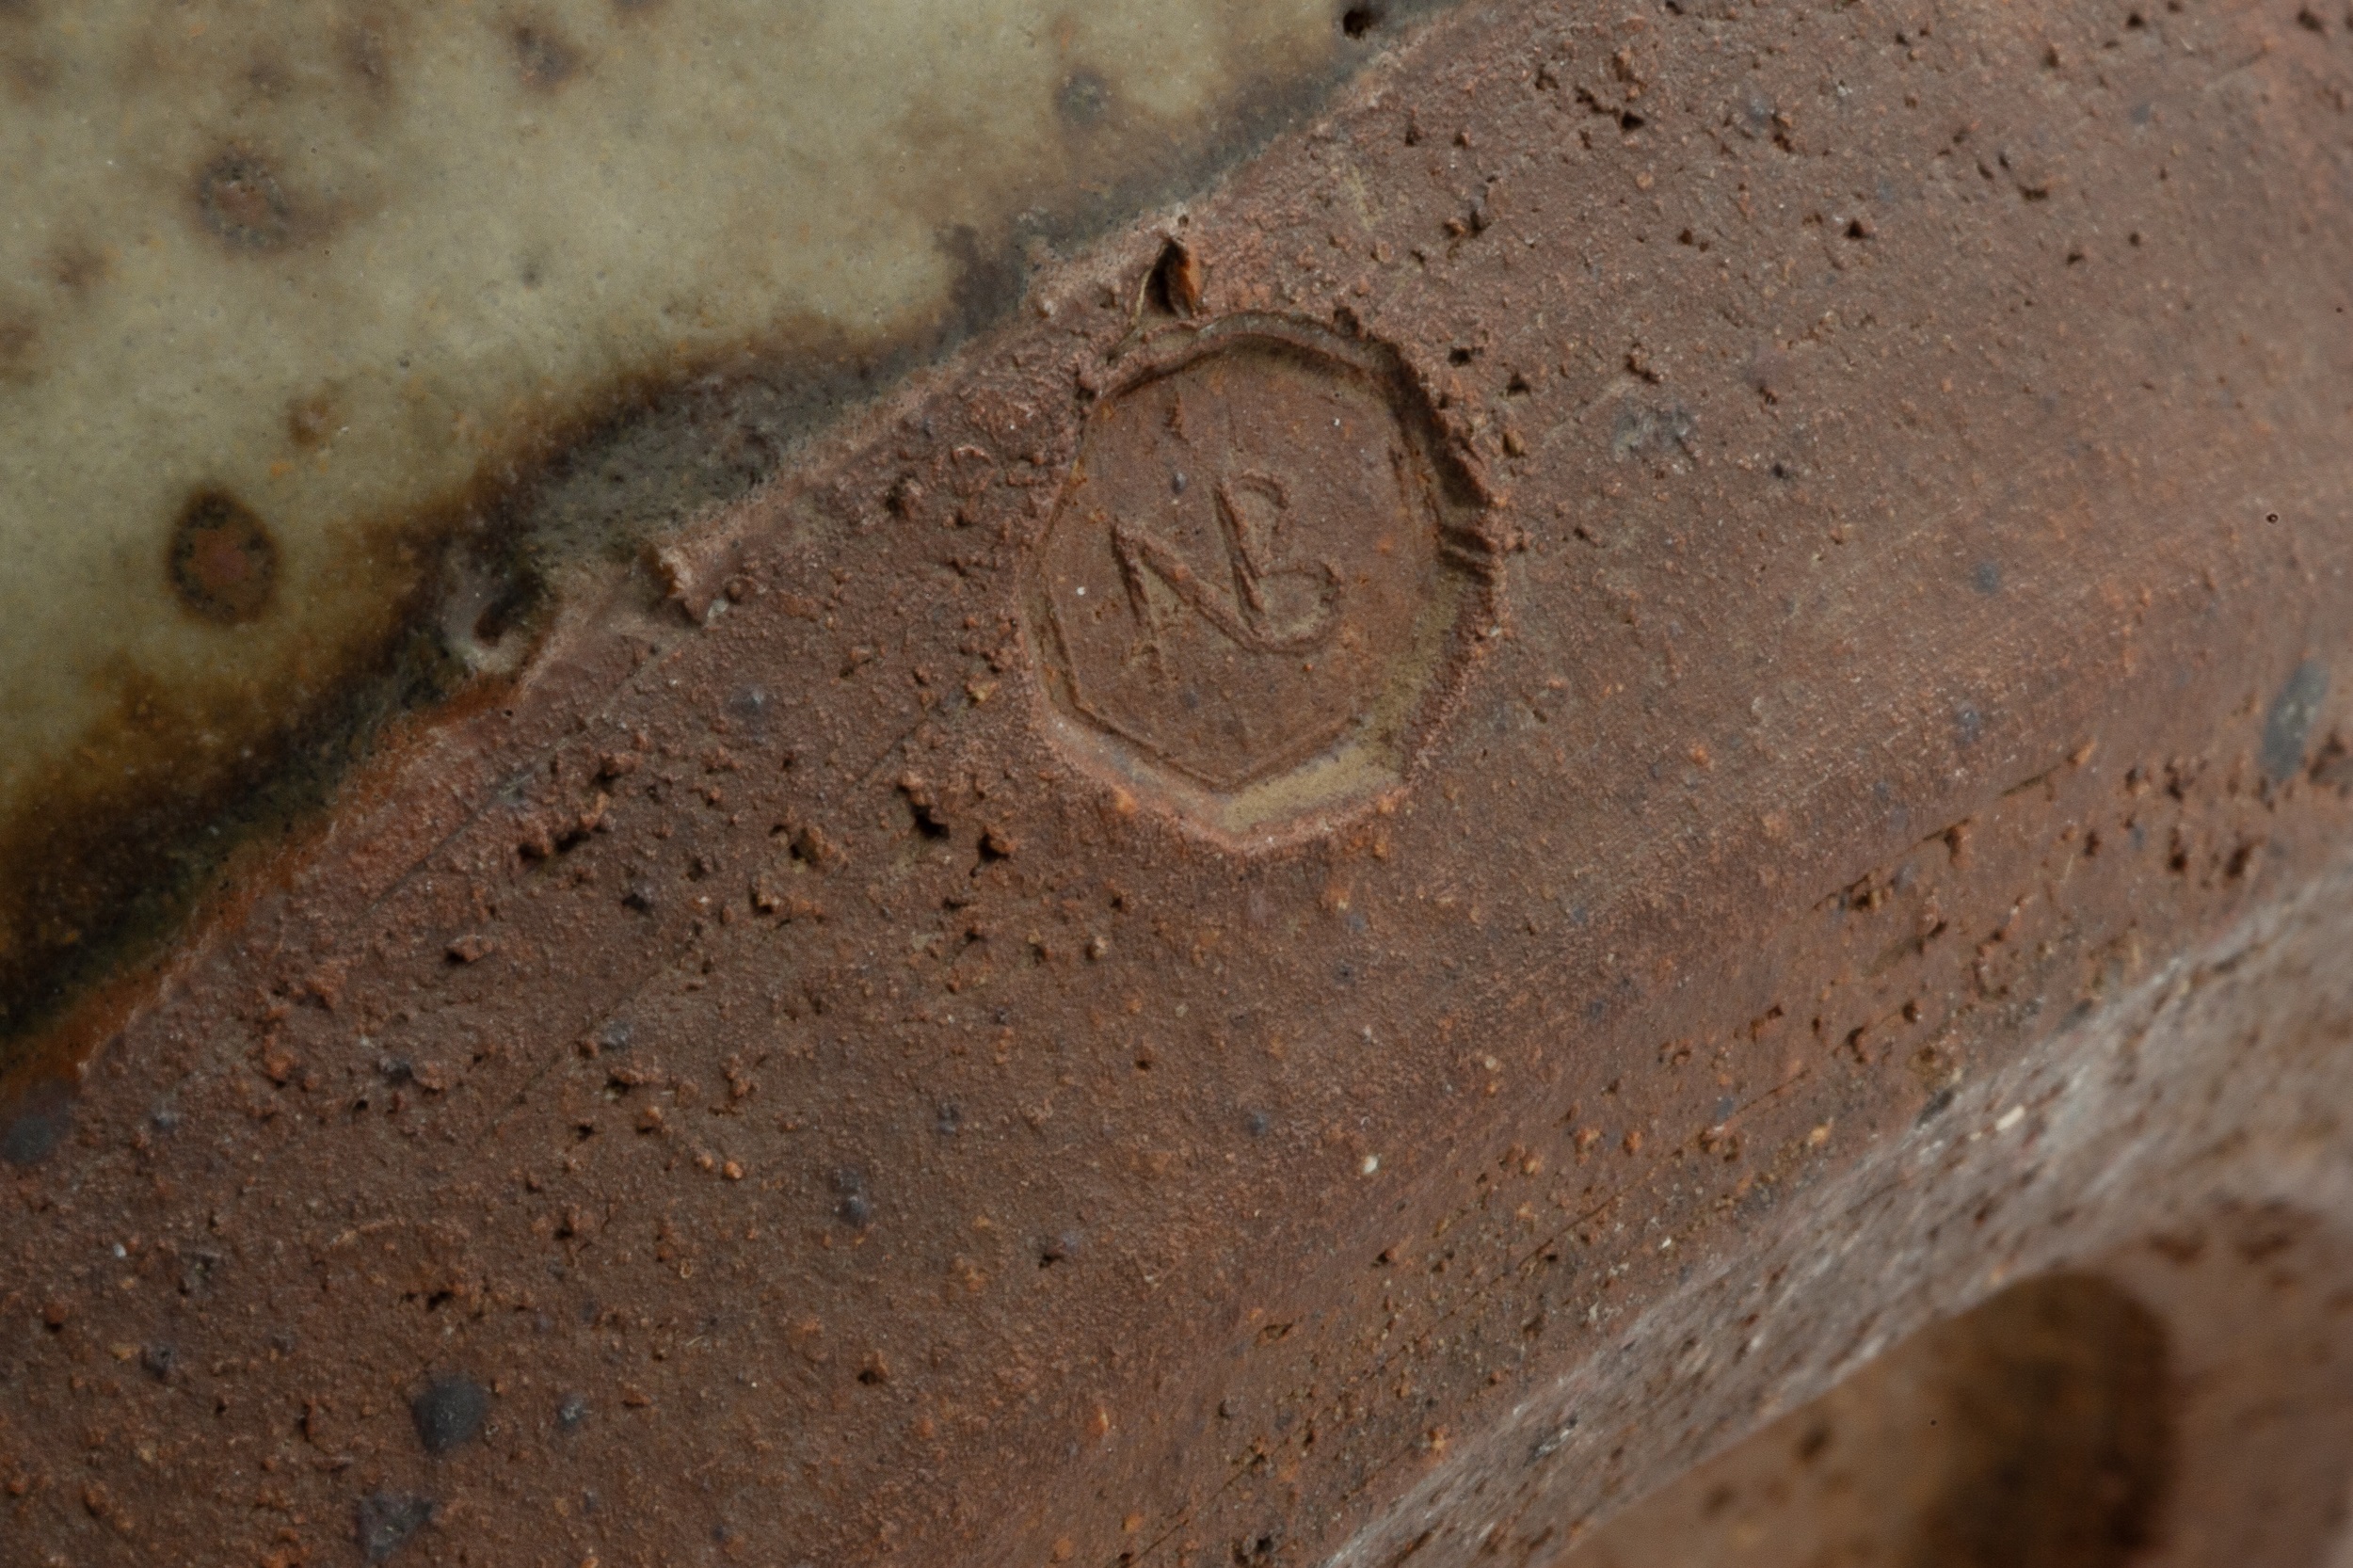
(384, 1521)
(18, 337)
(311, 419)
(368, 57)
(241, 201)
(77, 265)
(545, 60)
(223, 563)
(449, 1412)
(1083, 99)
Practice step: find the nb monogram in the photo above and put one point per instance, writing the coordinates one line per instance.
(1257, 587)
(1248, 538)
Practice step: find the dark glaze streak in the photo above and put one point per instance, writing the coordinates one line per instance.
(115, 845)
(988, 281)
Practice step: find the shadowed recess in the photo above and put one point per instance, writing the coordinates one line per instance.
(2036, 1431)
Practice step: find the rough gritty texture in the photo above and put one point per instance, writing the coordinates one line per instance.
(1877, 855)
(330, 332)
(2184, 1143)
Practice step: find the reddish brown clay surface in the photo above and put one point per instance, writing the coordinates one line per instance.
(1830, 803)
(1259, 586)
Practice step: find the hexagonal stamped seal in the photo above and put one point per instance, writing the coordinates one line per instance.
(1262, 578)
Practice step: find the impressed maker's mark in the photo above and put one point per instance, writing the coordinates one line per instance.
(1254, 585)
